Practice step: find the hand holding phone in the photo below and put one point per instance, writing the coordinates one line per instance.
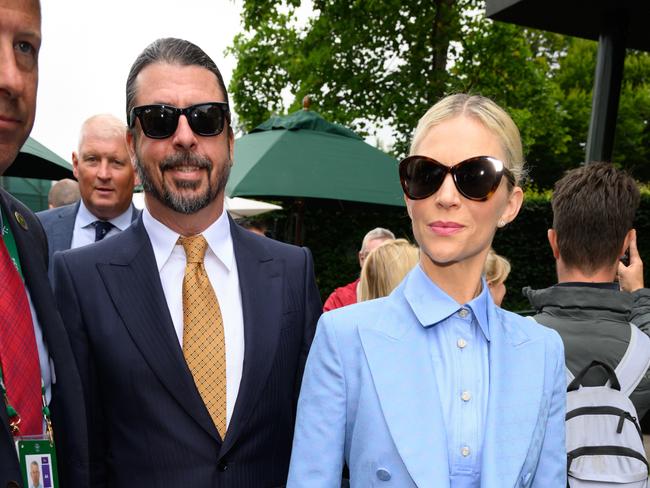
(630, 274)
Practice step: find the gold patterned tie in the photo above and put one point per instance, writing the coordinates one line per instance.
(203, 340)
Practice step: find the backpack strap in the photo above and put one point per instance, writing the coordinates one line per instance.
(635, 362)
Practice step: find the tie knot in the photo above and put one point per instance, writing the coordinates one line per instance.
(195, 247)
(102, 228)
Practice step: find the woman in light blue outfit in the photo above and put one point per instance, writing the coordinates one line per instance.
(435, 386)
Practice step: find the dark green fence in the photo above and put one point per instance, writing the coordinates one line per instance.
(333, 231)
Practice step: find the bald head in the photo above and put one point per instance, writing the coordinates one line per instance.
(103, 167)
(104, 126)
(63, 192)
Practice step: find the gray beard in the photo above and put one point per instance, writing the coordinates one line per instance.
(175, 200)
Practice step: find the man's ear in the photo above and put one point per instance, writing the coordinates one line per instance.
(552, 240)
(231, 144)
(75, 164)
(626, 242)
(130, 145)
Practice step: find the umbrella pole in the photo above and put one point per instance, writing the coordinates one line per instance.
(300, 216)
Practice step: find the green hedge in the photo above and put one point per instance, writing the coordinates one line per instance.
(333, 230)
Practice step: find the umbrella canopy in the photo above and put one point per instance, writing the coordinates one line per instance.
(236, 207)
(244, 207)
(303, 155)
(36, 161)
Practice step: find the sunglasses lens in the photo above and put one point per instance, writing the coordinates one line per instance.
(420, 177)
(477, 178)
(158, 122)
(207, 119)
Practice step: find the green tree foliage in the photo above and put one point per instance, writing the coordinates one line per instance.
(365, 63)
(372, 64)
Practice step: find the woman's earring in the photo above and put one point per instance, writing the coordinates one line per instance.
(501, 223)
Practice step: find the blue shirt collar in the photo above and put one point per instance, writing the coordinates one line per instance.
(432, 305)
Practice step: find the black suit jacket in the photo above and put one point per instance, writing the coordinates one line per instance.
(68, 413)
(148, 424)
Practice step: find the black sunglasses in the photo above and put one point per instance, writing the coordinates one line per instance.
(475, 178)
(160, 121)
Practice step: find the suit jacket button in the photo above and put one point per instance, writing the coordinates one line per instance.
(383, 474)
(222, 467)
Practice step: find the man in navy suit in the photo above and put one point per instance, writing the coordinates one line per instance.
(25, 294)
(129, 307)
(106, 176)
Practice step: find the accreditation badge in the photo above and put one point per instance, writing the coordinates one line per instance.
(37, 458)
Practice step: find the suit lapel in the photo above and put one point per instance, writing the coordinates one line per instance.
(29, 266)
(61, 231)
(30, 242)
(408, 393)
(515, 401)
(260, 282)
(133, 282)
(135, 213)
(32, 261)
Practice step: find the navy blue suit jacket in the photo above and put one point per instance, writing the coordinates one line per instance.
(68, 414)
(147, 422)
(58, 224)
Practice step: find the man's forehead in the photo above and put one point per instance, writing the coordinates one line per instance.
(156, 77)
(28, 13)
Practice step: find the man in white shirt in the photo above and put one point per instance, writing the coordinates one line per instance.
(190, 332)
(106, 176)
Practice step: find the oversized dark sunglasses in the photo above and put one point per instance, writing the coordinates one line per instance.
(160, 121)
(475, 178)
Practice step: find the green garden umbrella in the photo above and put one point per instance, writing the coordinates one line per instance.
(36, 161)
(302, 155)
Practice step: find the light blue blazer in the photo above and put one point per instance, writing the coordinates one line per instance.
(369, 398)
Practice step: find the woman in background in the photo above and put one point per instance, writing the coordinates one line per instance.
(385, 267)
(497, 269)
(434, 386)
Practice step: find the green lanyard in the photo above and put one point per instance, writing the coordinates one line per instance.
(10, 242)
(14, 417)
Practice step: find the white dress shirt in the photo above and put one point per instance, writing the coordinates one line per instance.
(221, 267)
(84, 230)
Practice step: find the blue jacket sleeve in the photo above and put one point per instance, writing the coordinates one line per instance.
(551, 469)
(319, 439)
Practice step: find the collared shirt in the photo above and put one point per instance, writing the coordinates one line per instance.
(458, 338)
(221, 267)
(84, 229)
(44, 360)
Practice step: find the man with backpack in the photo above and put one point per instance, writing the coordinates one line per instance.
(593, 213)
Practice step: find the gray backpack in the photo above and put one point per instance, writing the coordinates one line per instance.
(603, 437)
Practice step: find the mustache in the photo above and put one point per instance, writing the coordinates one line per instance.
(179, 159)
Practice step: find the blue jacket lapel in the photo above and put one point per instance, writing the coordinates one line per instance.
(400, 363)
(133, 282)
(60, 232)
(515, 404)
(260, 282)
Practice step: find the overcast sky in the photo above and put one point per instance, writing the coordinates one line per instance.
(89, 46)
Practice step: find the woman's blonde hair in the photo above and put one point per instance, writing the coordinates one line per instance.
(497, 268)
(385, 267)
(484, 111)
